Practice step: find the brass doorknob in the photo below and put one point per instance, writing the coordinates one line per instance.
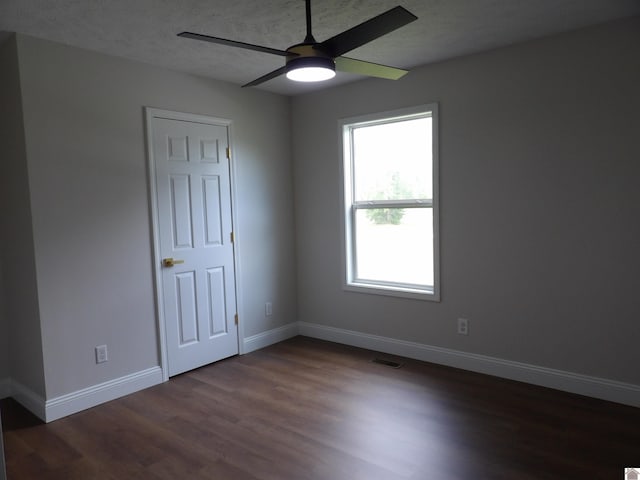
(170, 262)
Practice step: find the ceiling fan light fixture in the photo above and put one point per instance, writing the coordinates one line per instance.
(311, 69)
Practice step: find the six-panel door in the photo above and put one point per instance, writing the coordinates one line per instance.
(194, 230)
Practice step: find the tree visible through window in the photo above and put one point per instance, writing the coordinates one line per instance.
(390, 161)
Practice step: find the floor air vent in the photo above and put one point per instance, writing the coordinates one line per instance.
(388, 363)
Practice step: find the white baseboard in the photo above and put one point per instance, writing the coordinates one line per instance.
(264, 339)
(611, 390)
(28, 398)
(90, 397)
(5, 388)
(49, 410)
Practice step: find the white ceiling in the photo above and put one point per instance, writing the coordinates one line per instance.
(145, 30)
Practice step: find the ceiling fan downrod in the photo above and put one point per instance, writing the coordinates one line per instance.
(309, 38)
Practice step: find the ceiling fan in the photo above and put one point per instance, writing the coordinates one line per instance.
(312, 61)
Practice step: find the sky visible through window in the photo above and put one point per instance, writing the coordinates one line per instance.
(397, 152)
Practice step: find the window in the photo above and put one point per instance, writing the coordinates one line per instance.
(390, 166)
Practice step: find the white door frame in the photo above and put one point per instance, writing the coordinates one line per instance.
(150, 114)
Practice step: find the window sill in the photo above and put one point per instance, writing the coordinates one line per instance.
(404, 292)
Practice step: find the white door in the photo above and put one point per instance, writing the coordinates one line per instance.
(194, 236)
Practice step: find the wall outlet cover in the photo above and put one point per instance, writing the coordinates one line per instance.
(463, 326)
(101, 354)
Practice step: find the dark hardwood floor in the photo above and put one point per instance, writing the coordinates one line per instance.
(308, 409)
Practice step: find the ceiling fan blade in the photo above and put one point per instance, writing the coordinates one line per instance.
(268, 76)
(351, 65)
(367, 31)
(233, 43)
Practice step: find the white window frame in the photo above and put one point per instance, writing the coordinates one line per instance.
(350, 206)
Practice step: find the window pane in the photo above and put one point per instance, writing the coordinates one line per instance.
(393, 161)
(395, 245)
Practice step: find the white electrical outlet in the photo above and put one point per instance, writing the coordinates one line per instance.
(268, 309)
(463, 326)
(101, 354)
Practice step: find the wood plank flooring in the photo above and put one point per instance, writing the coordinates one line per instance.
(306, 409)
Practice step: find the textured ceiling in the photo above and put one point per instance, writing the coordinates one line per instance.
(145, 30)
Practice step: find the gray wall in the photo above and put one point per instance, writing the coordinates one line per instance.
(6, 74)
(540, 203)
(84, 124)
(22, 342)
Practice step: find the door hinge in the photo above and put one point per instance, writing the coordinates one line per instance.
(232, 237)
(229, 153)
(236, 318)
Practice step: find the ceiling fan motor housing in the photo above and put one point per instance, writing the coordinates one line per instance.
(306, 55)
